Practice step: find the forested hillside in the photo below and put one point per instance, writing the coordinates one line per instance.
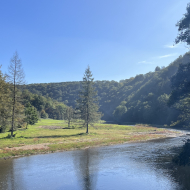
(46, 107)
(28, 108)
(139, 99)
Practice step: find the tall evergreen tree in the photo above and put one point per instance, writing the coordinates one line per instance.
(87, 103)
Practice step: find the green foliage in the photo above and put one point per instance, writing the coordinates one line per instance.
(183, 27)
(145, 96)
(5, 104)
(69, 115)
(180, 84)
(87, 104)
(45, 106)
(31, 114)
(43, 114)
(180, 95)
(120, 111)
(157, 68)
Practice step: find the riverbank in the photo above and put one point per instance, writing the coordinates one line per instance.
(49, 136)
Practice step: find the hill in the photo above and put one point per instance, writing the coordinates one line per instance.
(142, 98)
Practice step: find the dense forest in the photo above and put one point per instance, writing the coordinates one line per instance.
(28, 108)
(140, 99)
(159, 97)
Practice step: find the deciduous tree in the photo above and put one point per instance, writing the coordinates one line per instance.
(15, 78)
(4, 103)
(184, 27)
(31, 115)
(69, 115)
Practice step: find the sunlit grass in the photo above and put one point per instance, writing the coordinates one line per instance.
(63, 138)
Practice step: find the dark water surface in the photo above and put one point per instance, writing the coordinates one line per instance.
(135, 166)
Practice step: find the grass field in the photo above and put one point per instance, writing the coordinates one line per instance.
(53, 135)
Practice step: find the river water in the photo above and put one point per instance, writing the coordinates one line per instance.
(133, 166)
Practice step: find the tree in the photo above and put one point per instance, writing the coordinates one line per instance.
(157, 68)
(31, 115)
(179, 97)
(180, 84)
(15, 78)
(87, 103)
(4, 103)
(69, 115)
(184, 28)
(119, 111)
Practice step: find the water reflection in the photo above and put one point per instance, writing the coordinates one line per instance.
(130, 166)
(86, 167)
(5, 174)
(182, 176)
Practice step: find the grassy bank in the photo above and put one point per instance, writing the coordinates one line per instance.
(53, 135)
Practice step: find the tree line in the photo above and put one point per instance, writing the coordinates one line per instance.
(159, 97)
(140, 99)
(19, 107)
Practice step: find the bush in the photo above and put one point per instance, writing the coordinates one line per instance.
(44, 115)
(2, 129)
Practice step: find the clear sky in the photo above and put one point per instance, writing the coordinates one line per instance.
(56, 40)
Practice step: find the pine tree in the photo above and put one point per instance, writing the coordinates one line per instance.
(87, 104)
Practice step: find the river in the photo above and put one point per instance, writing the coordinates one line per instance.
(133, 166)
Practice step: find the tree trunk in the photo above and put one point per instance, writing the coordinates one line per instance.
(13, 114)
(13, 117)
(87, 127)
(69, 123)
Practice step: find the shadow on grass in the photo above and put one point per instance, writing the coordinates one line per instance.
(53, 136)
(68, 128)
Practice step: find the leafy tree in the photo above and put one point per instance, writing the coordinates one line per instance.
(184, 27)
(31, 115)
(157, 68)
(43, 114)
(180, 95)
(180, 84)
(38, 102)
(87, 103)
(5, 103)
(60, 111)
(15, 78)
(69, 115)
(119, 112)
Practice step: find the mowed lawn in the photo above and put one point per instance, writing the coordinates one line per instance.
(54, 135)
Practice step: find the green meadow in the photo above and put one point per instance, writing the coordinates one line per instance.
(50, 135)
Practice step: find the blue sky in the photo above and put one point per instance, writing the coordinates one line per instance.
(57, 40)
